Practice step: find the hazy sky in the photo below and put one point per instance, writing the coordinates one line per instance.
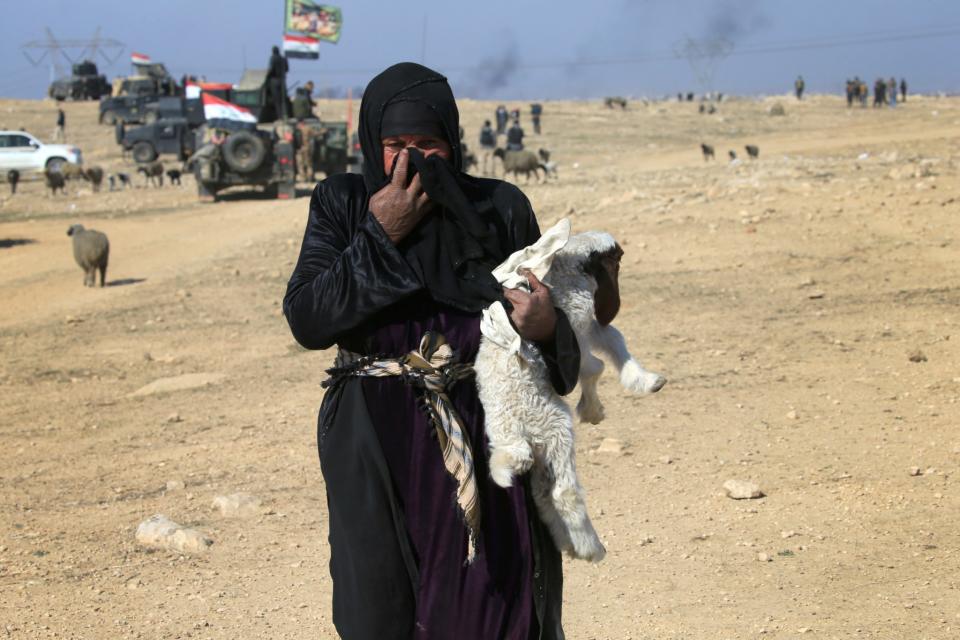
(525, 48)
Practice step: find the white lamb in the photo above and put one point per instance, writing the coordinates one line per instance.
(529, 426)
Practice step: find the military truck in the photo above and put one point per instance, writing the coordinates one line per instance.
(130, 95)
(174, 136)
(85, 83)
(248, 157)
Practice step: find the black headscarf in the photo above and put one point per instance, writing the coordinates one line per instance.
(455, 247)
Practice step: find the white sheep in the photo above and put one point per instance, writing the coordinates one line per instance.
(528, 425)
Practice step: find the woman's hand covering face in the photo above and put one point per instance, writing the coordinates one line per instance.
(399, 206)
(533, 314)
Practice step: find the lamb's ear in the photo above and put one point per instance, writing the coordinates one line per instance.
(605, 269)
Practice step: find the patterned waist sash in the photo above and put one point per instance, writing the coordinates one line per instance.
(433, 370)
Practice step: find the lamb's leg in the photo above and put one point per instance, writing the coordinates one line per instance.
(510, 456)
(589, 409)
(567, 498)
(633, 376)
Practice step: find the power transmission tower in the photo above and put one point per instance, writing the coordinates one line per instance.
(54, 51)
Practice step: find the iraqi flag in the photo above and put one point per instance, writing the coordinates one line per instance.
(139, 58)
(301, 46)
(221, 114)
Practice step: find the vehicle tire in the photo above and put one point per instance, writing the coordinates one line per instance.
(56, 164)
(108, 117)
(244, 151)
(144, 152)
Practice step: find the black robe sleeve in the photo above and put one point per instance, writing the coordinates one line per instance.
(348, 269)
(562, 352)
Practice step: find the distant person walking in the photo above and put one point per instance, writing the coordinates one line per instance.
(536, 110)
(903, 89)
(798, 86)
(864, 94)
(60, 132)
(501, 120)
(892, 92)
(488, 144)
(515, 137)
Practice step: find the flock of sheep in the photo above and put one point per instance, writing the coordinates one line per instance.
(56, 177)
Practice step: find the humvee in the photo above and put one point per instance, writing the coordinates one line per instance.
(130, 95)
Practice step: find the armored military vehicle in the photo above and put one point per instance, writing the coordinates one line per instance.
(85, 83)
(175, 136)
(130, 96)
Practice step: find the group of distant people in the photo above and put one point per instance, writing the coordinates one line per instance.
(515, 134)
(884, 92)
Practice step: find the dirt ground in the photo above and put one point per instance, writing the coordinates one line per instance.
(803, 306)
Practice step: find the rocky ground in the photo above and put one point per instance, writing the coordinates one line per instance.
(801, 305)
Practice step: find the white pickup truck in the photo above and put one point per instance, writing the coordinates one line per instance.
(21, 151)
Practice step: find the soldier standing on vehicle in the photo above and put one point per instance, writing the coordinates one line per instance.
(277, 82)
(903, 89)
(60, 133)
(501, 119)
(303, 104)
(536, 110)
(488, 143)
(515, 137)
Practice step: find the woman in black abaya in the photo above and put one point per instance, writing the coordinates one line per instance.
(421, 547)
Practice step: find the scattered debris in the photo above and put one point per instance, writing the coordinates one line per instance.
(237, 505)
(160, 532)
(610, 445)
(178, 383)
(917, 356)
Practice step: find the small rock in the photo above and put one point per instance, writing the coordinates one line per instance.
(610, 445)
(666, 459)
(174, 417)
(237, 505)
(742, 489)
(764, 557)
(160, 532)
(776, 109)
(915, 471)
(917, 356)
(792, 414)
(175, 485)
(787, 534)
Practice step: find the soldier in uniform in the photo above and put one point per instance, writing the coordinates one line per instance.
(277, 82)
(488, 143)
(799, 85)
(515, 137)
(536, 110)
(501, 119)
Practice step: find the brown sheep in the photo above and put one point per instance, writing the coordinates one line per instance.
(93, 175)
(91, 250)
(152, 172)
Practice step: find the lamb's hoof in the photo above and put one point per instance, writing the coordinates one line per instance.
(592, 413)
(588, 547)
(635, 378)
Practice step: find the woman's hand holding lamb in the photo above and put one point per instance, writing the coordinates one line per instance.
(533, 314)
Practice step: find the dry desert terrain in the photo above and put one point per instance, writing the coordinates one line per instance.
(804, 307)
